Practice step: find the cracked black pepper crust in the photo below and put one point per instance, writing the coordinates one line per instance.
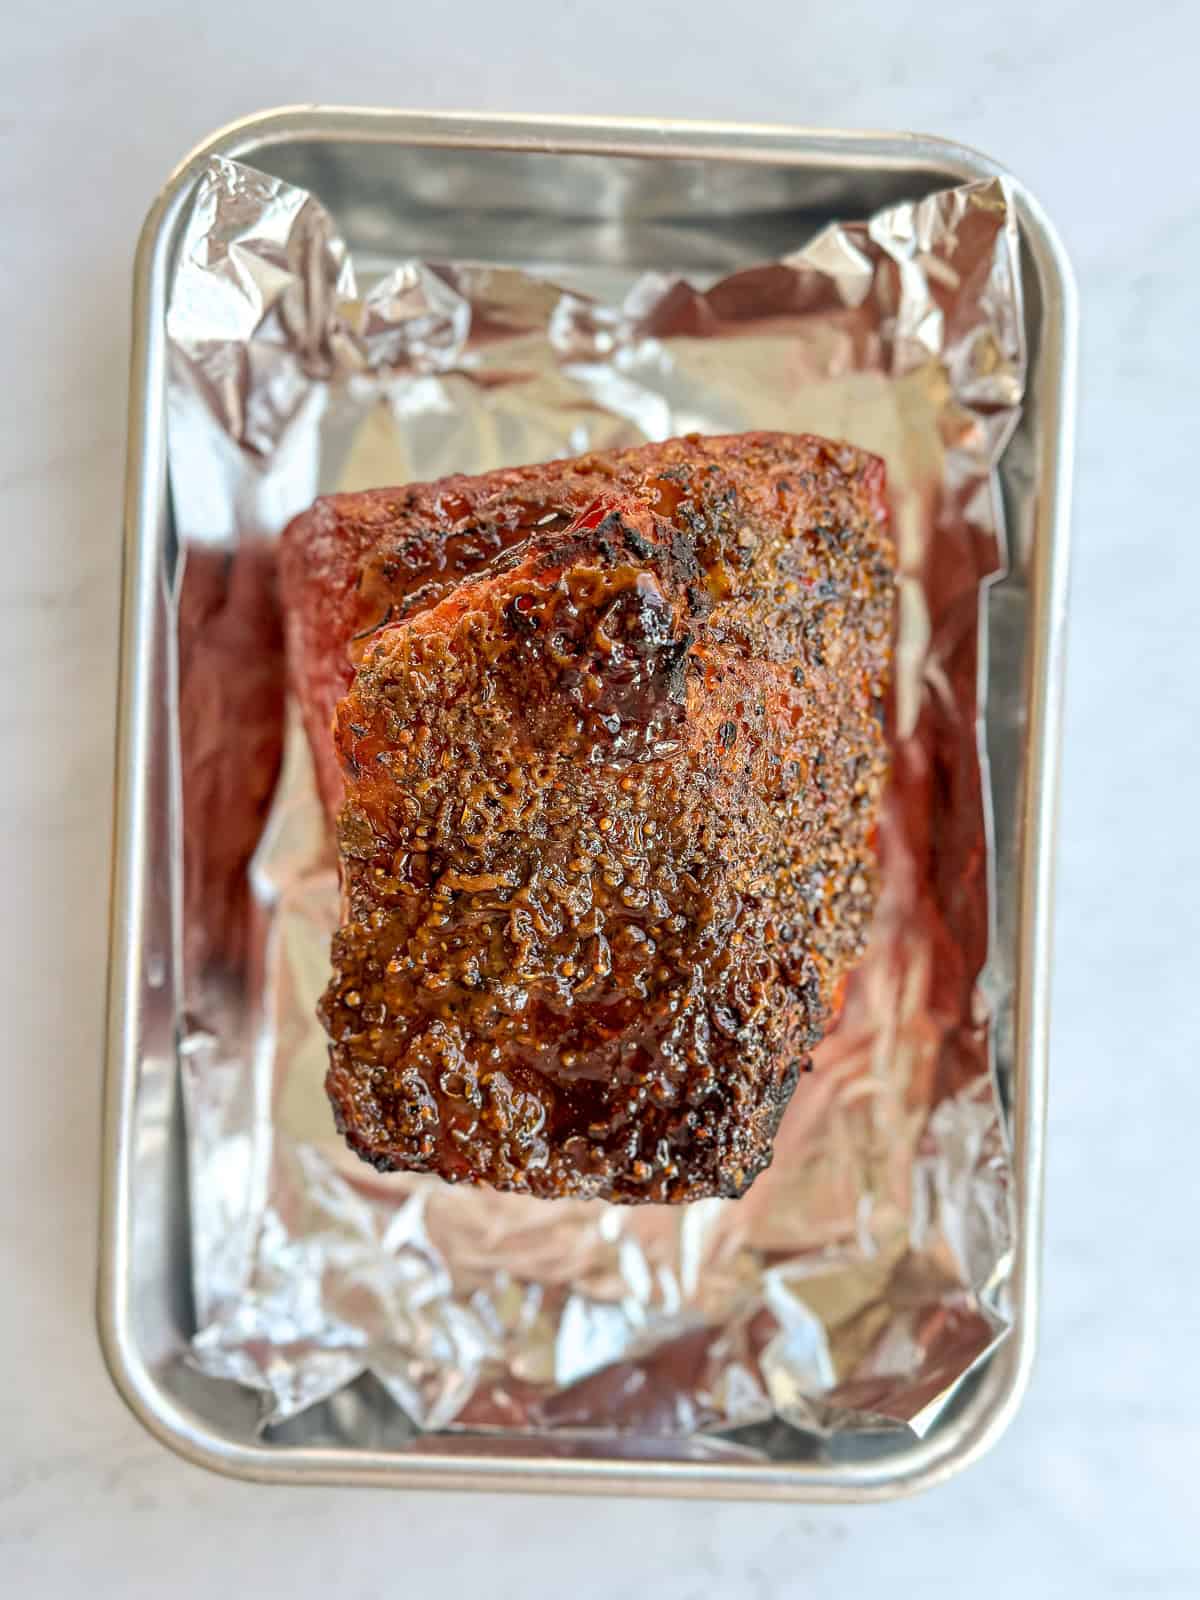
(607, 840)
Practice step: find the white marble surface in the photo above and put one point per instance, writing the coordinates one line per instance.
(1094, 1490)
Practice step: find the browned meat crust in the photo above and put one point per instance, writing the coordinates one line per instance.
(611, 780)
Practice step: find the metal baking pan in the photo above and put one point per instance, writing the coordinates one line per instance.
(735, 180)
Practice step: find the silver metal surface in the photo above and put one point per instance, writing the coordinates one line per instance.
(700, 192)
(867, 1273)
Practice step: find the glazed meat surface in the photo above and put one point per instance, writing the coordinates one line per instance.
(606, 758)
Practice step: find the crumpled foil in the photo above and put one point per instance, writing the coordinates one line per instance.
(865, 1273)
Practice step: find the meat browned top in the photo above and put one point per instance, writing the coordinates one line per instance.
(608, 749)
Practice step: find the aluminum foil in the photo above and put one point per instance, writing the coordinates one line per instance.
(864, 1274)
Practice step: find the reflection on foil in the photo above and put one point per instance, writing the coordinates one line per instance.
(865, 1273)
